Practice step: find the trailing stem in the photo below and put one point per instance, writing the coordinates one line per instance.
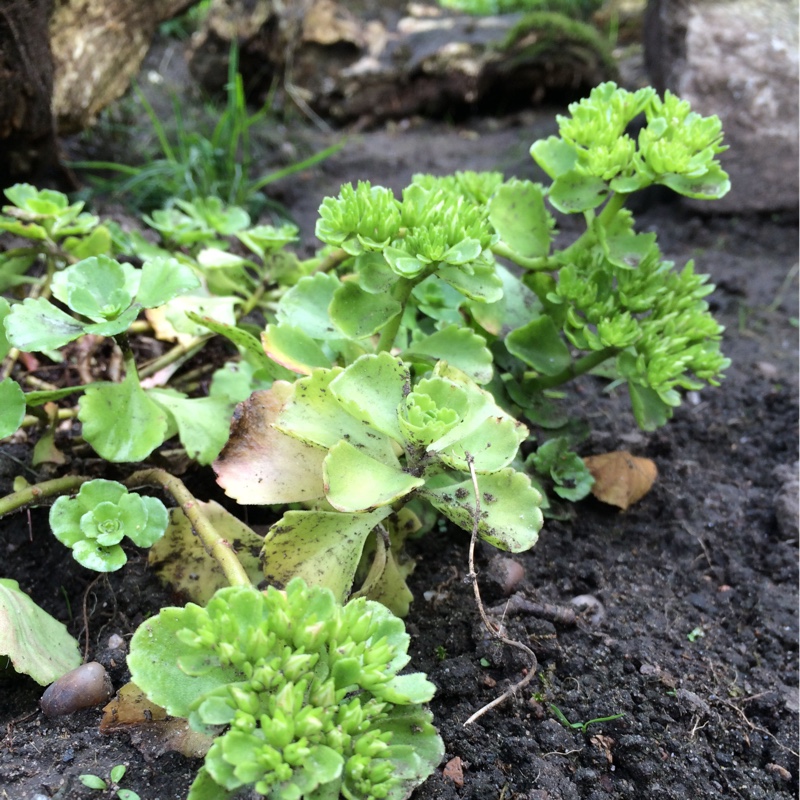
(490, 626)
(576, 368)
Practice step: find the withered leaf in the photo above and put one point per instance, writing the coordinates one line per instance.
(150, 729)
(621, 479)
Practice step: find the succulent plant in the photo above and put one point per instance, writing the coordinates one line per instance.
(304, 694)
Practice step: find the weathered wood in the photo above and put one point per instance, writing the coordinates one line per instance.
(346, 67)
(98, 47)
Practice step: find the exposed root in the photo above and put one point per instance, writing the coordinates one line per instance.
(494, 631)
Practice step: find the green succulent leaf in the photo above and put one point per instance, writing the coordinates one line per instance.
(162, 279)
(518, 213)
(37, 325)
(713, 184)
(459, 346)
(371, 389)
(37, 644)
(574, 192)
(14, 265)
(94, 522)
(539, 344)
(305, 306)
(293, 349)
(650, 410)
(99, 287)
(354, 481)
(358, 313)
(12, 407)
(314, 415)
(203, 422)
(481, 283)
(510, 508)
(555, 156)
(308, 685)
(322, 547)
(566, 469)
(120, 421)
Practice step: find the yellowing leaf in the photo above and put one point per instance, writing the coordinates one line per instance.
(259, 464)
(621, 479)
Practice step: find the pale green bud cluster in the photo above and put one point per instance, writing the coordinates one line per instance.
(307, 690)
(656, 316)
(432, 225)
(596, 154)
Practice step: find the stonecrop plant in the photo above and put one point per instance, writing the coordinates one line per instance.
(410, 370)
(304, 692)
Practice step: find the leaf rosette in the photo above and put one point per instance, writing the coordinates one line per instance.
(304, 692)
(94, 522)
(379, 443)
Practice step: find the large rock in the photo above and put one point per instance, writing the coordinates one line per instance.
(737, 59)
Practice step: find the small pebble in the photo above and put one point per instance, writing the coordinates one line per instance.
(115, 642)
(595, 610)
(506, 573)
(84, 687)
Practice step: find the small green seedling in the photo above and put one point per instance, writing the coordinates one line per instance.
(115, 776)
(580, 726)
(695, 634)
(100, 516)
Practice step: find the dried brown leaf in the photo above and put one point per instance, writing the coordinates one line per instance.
(621, 479)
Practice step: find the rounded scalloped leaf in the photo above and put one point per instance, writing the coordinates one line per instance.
(510, 517)
(554, 156)
(36, 324)
(371, 389)
(98, 287)
(354, 481)
(461, 347)
(358, 313)
(120, 421)
(12, 407)
(539, 344)
(573, 192)
(36, 644)
(518, 213)
(154, 661)
(162, 279)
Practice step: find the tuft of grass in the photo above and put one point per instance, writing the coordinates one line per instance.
(194, 163)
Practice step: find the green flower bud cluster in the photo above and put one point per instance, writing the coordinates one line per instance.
(596, 129)
(657, 316)
(678, 140)
(432, 225)
(308, 691)
(595, 154)
(100, 516)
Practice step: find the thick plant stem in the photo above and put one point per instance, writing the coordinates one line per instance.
(579, 367)
(217, 547)
(177, 352)
(539, 264)
(402, 291)
(127, 354)
(31, 495)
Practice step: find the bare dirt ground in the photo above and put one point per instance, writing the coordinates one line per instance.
(695, 641)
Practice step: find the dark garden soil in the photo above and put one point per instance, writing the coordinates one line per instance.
(693, 634)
